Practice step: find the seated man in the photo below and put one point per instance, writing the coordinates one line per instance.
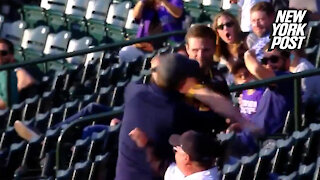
(195, 155)
(20, 78)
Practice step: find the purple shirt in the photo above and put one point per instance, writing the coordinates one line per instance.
(168, 22)
(250, 102)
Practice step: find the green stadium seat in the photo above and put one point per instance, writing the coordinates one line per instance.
(194, 9)
(75, 17)
(211, 8)
(33, 15)
(116, 20)
(55, 14)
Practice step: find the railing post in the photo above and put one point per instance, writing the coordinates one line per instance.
(9, 87)
(297, 103)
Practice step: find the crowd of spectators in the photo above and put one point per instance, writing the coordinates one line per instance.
(187, 101)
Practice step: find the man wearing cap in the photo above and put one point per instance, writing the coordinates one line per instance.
(159, 110)
(195, 154)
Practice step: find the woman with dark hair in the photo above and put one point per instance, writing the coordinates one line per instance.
(230, 40)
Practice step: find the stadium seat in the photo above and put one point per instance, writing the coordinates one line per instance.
(230, 171)
(279, 163)
(131, 26)
(76, 45)
(33, 15)
(4, 115)
(30, 108)
(312, 144)
(194, 9)
(98, 169)
(33, 42)
(231, 8)
(46, 102)
(55, 14)
(97, 9)
(81, 170)
(295, 155)
(116, 20)
(80, 151)
(263, 166)
(41, 122)
(70, 108)
(14, 33)
(306, 171)
(64, 174)
(75, 14)
(247, 167)
(56, 116)
(87, 99)
(97, 145)
(105, 95)
(49, 141)
(15, 113)
(211, 8)
(292, 176)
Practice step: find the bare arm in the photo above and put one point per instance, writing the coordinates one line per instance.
(137, 10)
(172, 9)
(24, 79)
(2, 104)
(256, 68)
(225, 108)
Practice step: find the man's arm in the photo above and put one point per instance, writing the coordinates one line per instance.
(24, 79)
(137, 10)
(256, 68)
(158, 165)
(225, 108)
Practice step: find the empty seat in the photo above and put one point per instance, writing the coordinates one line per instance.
(116, 20)
(98, 169)
(98, 9)
(131, 26)
(55, 13)
(81, 170)
(230, 171)
(80, 151)
(263, 166)
(1, 22)
(76, 45)
(247, 167)
(30, 108)
(14, 31)
(33, 15)
(75, 13)
(279, 164)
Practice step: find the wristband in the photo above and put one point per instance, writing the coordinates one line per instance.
(191, 93)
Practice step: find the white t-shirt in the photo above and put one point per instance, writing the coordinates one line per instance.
(173, 173)
(245, 13)
(310, 86)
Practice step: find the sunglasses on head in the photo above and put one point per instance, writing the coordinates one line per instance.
(4, 52)
(272, 59)
(228, 24)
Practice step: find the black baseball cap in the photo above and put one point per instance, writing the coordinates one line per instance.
(198, 146)
(175, 67)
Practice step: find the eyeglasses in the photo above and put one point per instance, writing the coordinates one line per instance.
(228, 24)
(272, 59)
(4, 52)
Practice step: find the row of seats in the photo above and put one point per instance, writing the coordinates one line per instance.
(296, 154)
(83, 17)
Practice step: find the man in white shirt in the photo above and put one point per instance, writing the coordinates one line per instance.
(195, 154)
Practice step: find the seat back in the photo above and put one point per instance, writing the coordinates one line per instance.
(35, 38)
(98, 9)
(76, 7)
(55, 5)
(57, 43)
(14, 31)
(118, 13)
(76, 45)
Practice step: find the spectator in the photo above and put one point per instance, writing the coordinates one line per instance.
(155, 16)
(277, 99)
(200, 46)
(309, 85)
(158, 110)
(246, 5)
(20, 78)
(249, 98)
(261, 18)
(195, 154)
(230, 41)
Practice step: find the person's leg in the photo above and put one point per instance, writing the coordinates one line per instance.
(130, 53)
(92, 108)
(23, 131)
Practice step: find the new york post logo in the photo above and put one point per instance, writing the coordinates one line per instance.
(288, 30)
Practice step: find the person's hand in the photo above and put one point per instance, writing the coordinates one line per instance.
(233, 1)
(235, 127)
(139, 137)
(114, 121)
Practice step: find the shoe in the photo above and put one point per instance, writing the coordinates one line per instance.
(23, 131)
